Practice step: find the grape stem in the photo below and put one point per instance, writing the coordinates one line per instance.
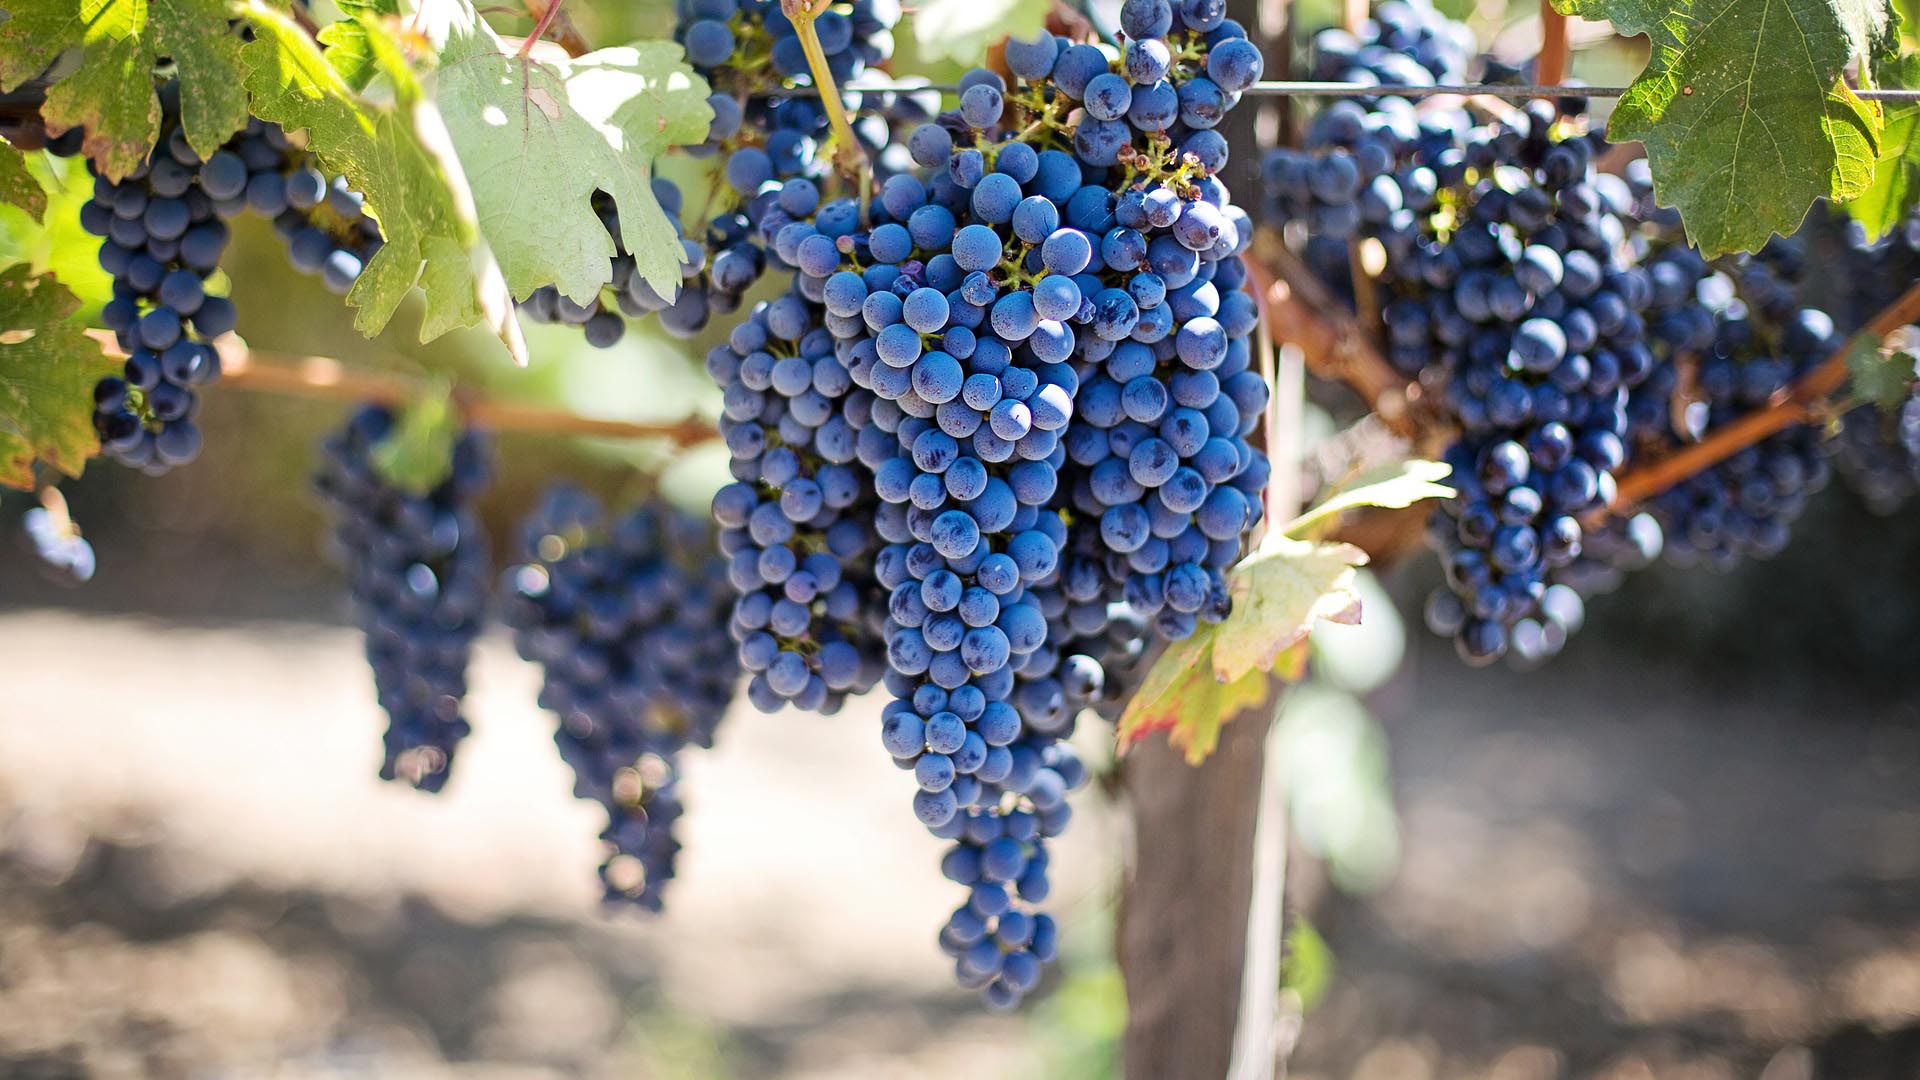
(1551, 67)
(564, 32)
(541, 27)
(1800, 403)
(847, 155)
(325, 378)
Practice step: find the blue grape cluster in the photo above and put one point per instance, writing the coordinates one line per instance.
(1364, 161)
(417, 568)
(1727, 336)
(161, 237)
(626, 618)
(1505, 287)
(797, 522)
(163, 231)
(750, 34)
(1033, 358)
(322, 220)
(1745, 506)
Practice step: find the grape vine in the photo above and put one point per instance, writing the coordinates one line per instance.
(989, 385)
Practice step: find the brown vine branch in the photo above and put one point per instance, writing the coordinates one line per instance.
(1797, 404)
(1304, 313)
(325, 378)
(1552, 65)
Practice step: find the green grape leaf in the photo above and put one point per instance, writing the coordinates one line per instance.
(1896, 174)
(418, 454)
(57, 244)
(1743, 110)
(961, 30)
(1394, 486)
(536, 139)
(1279, 592)
(1879, 374)
(395, 154)
(48, 366)
(111, 92)
(1629, 17)
(17, 185)
(1181, 697)
(1308, 968)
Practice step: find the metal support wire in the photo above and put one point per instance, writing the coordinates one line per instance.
(1354, 89)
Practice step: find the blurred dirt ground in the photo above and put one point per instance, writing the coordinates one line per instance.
(1630, 870)
(200, 876)
(1619, 868)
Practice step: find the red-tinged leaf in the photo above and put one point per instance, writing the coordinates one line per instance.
(18, 186)
(1180, 697)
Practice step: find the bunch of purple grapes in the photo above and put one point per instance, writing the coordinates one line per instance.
(163, 231)
(162, 235)
(418, 571)
(1027, 331)
(626, 618)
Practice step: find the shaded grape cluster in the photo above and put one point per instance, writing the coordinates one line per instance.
(162, 236)
(626, 617)
(418, 571)
(163, 230)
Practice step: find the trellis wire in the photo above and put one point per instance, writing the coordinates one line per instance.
(1353, 89)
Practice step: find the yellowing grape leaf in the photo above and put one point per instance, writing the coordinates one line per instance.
(1743, 110)
(1279, 592)
(48, 366)
(1181, 697)
(17, 185)
(536, 138)
(57, 244)
(1394, 486)
(386, 151)
(111, 92)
